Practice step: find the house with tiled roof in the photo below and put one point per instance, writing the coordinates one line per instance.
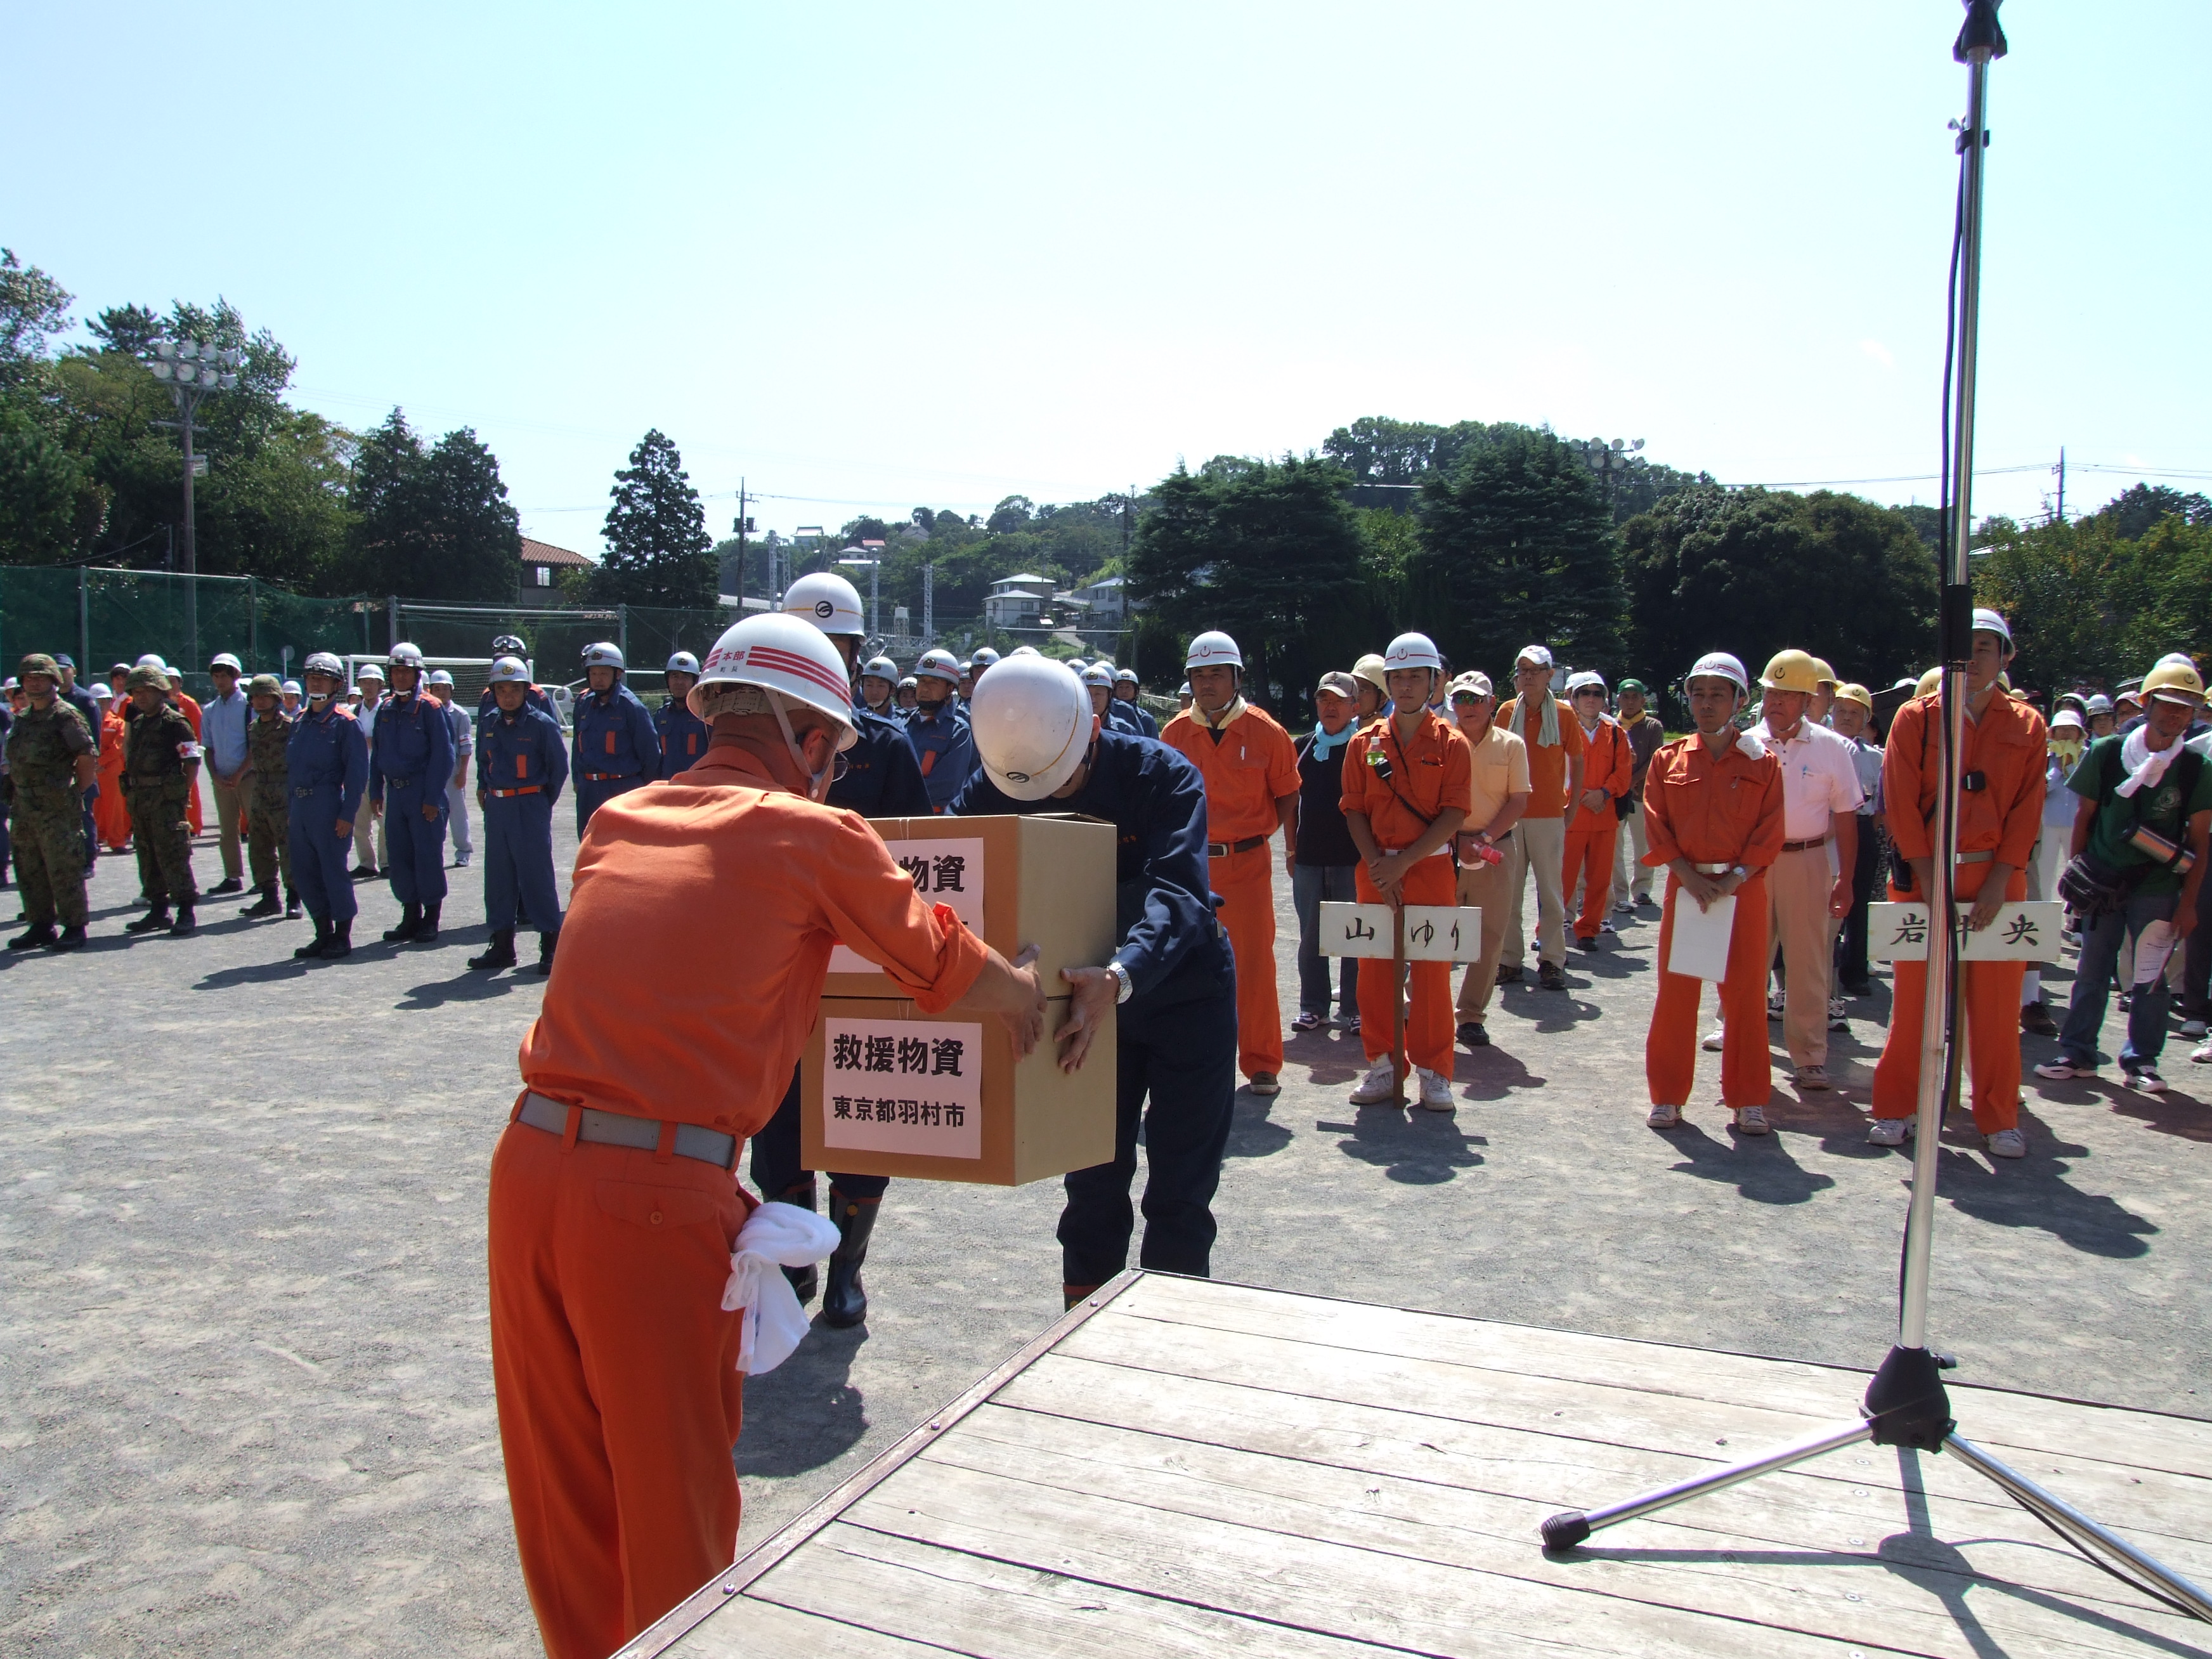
(542, 565)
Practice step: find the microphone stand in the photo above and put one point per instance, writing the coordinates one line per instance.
(1906, 1404)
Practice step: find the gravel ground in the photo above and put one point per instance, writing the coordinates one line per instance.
(245, 1398)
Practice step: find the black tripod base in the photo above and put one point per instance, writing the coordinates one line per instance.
(1906, 1405)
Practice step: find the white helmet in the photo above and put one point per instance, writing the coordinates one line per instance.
(1125, 676)
(152, 659)
(1719, 664)
(1032, 722)
(441, 677)
(984, 657)
(225, 659)
(369, 670)
(830, 602)
(291, 689)
(1025, 651)
(509, 671)
(1077, 666)
(939, 665)
(1214, 649)
(405, 656)
(1102, 677)
(683, 662)
(1586, 679)
(1413, 651)
(882, 668)
(783, 655)
(604, 654)
(909, 682)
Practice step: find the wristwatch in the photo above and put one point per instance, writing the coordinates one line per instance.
(1122, 978)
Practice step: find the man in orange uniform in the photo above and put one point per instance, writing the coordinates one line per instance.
(613, 1204)
(1712, 806)
(1594, 823)
(2000, 816)
(1251, 771)
(1554, 740)
(1406, 783)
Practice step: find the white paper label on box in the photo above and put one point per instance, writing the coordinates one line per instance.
(902, 1085)
(2024, 931)
(1434, 932)
(948, 872)
(1699, 946)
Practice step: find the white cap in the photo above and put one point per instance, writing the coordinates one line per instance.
(604, 654)
(509, 671)
(1587, 679)
(2068, 717)
(1989, 622)
(1539, 654)
(225, 659)
(100, 689)
(783, 655)
(939, 665)
(1719, 664)
(828, 601)
(1213, 649)
(1413, 650)
(403, 655)
(1032, 722)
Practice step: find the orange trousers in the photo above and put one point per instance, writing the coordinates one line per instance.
(1670, 1048)
(1989, 1000)
(616, 1370)
(1590, 840)
(1246, 882)
(1429, 1027)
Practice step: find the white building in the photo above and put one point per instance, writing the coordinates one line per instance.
(1016, 601)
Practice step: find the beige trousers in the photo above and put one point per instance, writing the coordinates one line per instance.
(1797, 888)
(1541, 845)
(229, 798)
(1489, 886)
(368, 836)
(1630, 875)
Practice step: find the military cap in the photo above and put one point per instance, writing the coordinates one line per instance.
(145, 674)
(265, 685)
(39, 663)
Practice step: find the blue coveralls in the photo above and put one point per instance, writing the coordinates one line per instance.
(83, 700)
(945, 748)
(683, 737)
(1177, 1035)
(521, 763)
(410, 761)
(326, 768)
(616, 749)
(882, 780)
(1131, 717)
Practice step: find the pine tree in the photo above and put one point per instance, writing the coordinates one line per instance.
(658, 552)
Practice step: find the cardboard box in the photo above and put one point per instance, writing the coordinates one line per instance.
(885, 1089)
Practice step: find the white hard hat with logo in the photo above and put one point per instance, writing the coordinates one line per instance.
(1413, 650)
(882, 668)
(683, 662)
(1031, 720)
(1101, 677)
(403, 655)
(603, 654)
(939, 664)
(1719, 664)
(509, 671)
(783, 655)
(1213, 649)
(828, 601)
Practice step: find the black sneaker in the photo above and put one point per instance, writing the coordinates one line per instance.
(1471, 1034)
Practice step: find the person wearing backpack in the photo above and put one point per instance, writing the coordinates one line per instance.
(2138, 863)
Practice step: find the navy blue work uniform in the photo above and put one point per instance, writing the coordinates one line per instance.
(82, 699)
(1177, 1035)
(1131, 717)
(616, 749)
(410, 762)
(521, 763)
(945, 748)
(882, 780)
(535, 697)
(683, 737)
(326, 769)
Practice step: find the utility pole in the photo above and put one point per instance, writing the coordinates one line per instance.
(2062, 484)
(929, 604)
(742, 527)
(193, 369)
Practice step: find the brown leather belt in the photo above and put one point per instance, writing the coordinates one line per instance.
(1222, 849)
(1804, 845)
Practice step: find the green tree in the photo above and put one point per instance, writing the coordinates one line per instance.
(431, 522)
(2136, 510)
(1516, 546)
(658, 552)
(32, 306)
(40, 492)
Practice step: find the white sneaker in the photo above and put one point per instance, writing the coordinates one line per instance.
(1888, 1131)
(1776, 1004)
(1751, 1120)
(1608, 928)
(1838, 1017)
(1664, 1117)
(1713, 1042)
(1436, 1090)
(2007, 1143)
(1379, 1085)
(2192, 1028)
(2061, 1068)
(1623, 907)
(2147, 1082)
(2202, 1056)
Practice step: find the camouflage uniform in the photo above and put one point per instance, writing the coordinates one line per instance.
(47, 813)
(157, 785)
(268, 822)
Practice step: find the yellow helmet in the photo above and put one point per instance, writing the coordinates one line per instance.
(1929, 682)
(1821, 671)
(1792, 671)
(1851, 691)
(2173, 681)
(1370, 669)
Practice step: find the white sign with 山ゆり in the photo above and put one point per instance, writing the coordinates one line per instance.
(2025, 931)
(949, 873)
(902, 1085)
(1434, 932)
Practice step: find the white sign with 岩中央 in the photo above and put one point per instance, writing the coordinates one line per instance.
(902, 1085)
(948, 872)
(2024, 930)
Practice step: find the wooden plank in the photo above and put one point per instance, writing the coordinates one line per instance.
(1391, 1600)
(1853, 1597)
(763, 1627)
(1862, 1506)
(1992, 1416)
(971, 1605)
(2169, 1505)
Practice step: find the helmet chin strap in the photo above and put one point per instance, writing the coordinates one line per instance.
(817, 783)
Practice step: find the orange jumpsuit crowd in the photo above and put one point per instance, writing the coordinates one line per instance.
(1608, 763)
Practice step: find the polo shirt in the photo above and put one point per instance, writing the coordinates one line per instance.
(1497, 769)
(1819, 778)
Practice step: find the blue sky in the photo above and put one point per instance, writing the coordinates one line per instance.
(887, 255)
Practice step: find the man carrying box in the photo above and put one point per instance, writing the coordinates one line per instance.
(613, 1206)
(1173, 975)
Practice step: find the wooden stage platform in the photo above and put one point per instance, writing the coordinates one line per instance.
(1182, 1466)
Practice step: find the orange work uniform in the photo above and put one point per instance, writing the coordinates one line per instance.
(1718, 811)
(111, 812)
(1998, 823)
(1608, 763)
(696, 946)
(1249, 764)
(1433, 771)
(191, 705)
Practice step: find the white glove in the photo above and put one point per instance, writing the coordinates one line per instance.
(774, 1237)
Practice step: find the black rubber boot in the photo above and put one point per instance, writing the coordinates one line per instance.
(72, 939)
(153, 922)
(314, 947)
(339, 944)
(291, 904)
(844, 1298)
(42, 934)
(410, 919)
(185, 924)
(426, 931)
(546, 943)
(500, 953)
(804, 1281)
(266, 905)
